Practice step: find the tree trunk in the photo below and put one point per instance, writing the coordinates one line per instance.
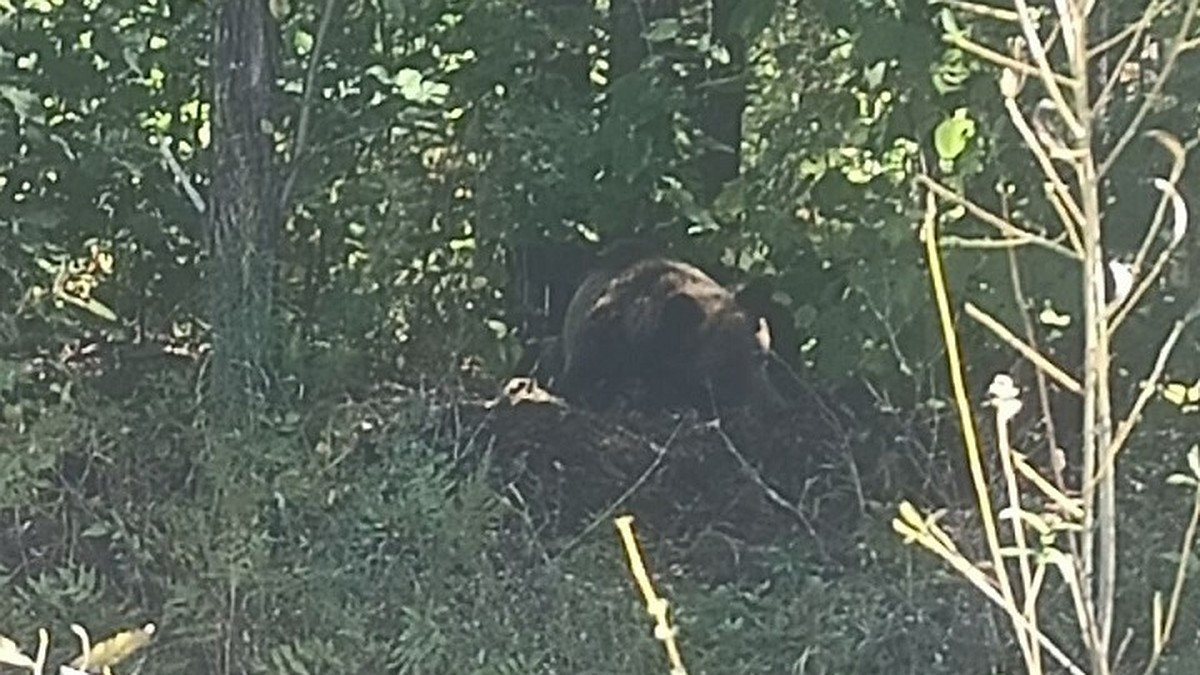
(244, 209)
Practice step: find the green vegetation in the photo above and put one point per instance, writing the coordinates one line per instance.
(252, 330)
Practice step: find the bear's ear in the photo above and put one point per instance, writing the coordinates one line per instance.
(762, 334)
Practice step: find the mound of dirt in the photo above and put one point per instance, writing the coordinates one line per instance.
(746, 477)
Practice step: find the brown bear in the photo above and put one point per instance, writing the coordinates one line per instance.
(664, 334)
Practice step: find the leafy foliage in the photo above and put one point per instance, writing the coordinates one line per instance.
(421, 143)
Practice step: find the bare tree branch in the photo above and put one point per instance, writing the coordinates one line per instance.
(1151, 98)
(310, 84)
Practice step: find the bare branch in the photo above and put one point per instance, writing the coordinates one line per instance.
(1044, 364)
(980, 9)
(1037, 50)
(310, 83)
(1043, 389)
(934, 538)
(1185, 554)
(1070, 225)
(981, 243)
(1181, 216)
(1061, 191)
(1002, 59)
(1151, 98)
(1125, 428)
(1015, 234)
(1070, 506)
(1134, 31)
(1070, 24)
(1128, 32)
(181, 177)
(1178, 163)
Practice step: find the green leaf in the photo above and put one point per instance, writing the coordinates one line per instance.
(952, 136)
(662, 30)
(303, 42)
(95, 307)
(95, 530)
(1182, 479)
(24, 102)
(407, 78)
(1179, 393)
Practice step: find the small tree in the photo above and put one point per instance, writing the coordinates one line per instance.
(1055, 52)
(244, 211)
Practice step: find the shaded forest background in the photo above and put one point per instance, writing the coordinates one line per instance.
(338, 491)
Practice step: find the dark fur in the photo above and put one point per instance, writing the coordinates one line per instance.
(666, 333)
